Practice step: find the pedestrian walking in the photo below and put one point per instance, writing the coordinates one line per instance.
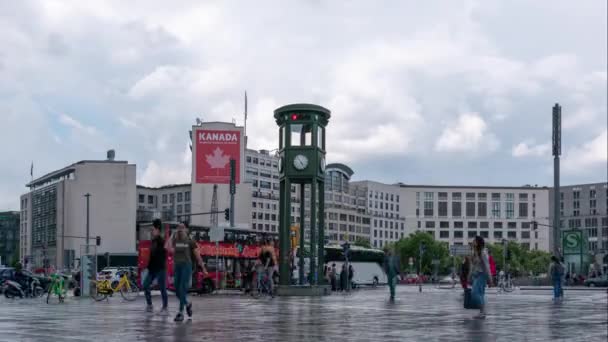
(351, 273)
(183, 249)
(392, 269)
(343, 278)
(556, 271)
(157, 266)
(333, 277)
(480, 271)
(492, 264)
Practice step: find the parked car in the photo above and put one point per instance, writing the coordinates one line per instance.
(597, 281)
(412, 278)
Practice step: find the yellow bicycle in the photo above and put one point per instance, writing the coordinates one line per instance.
(127, 288)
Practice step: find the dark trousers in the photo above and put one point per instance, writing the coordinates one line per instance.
(161, 277)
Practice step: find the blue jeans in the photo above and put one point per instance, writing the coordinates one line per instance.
(161, 276)
(557, 288)
(478, 290)
(181, 281)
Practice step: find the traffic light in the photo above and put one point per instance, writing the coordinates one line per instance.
(98, 241)
(227, 214)
(298, 116)
(88, 268)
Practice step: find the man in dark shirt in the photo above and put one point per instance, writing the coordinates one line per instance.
(157, 266)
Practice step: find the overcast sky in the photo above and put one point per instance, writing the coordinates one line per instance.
(421, 92)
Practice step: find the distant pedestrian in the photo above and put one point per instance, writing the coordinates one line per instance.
(492, 265)
(556, 271)
(183, 249)
(333, 275)
(392, 269)
(343, 278)
(157, 266)
(351, 273)
(480, 271)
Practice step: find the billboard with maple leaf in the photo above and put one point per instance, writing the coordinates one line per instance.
(214, 149)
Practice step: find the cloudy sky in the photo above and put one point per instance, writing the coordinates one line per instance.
(432, 92)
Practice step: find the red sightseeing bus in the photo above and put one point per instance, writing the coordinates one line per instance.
(227, 264)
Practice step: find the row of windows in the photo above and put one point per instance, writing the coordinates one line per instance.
(382, 196)
(576, 194)
(179, 208)
(384, 206)
(387, 235)
(261, 205)
(264, 227)
(473, 225)
(472, 196)
(260, 161)
(181, 197)
(470, 209)
(388, 224)
(589, 222)
(262, 216)
(458, 234)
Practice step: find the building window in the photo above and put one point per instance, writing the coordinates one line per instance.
(470, 196)
(525, 225)
(512, 225)
(179, 208)
(470, 209)
(484, 234)
(497, 225)
(444, 224)
(525, 235)
(496, 209)
(150, 199)
(456, 209)
(497, 234)
(429, 224)
(273, 217)
(523, 197)
(180, 197)
(482, 209)
(428, 209)
(456, 196)
(142, 198)
(458, 224)
(523, 210)
(172, 198)
(510, 197)
(471, 234)
(496, 196)
(187, 196)
(164, 198)
(484, 225)
(458, 234)
(472, 225)
(444, 234)
(510, 212)
(443, 209)
(576, 194)
(187, 208)
(442, 196)
(512, 235)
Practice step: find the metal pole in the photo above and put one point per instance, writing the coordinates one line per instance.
(217, 264)
(232, 190)
(87, 196)
(301, 263)
(557, 150)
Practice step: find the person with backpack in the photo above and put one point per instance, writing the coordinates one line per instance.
(184, 249)
(157, 269)
(556, 271)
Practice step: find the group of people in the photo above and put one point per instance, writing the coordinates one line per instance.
(185, 256)
(339, 282)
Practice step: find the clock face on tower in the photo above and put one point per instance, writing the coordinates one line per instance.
(281, 165)
(300, 162)
(322, 164)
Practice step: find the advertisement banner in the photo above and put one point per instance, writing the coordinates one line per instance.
(214, 149)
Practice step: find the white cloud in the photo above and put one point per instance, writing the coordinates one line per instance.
(528, 149)
(468, 134)
(76, 125)
(588, 156)
(158, 174)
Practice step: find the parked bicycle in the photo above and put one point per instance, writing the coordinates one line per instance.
(56, 289)
(126, 286)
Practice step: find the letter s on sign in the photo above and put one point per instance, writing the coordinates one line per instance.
(572, 240)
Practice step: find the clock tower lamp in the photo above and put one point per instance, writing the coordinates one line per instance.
(302, 164)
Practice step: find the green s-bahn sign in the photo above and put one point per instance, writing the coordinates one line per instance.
(572, 242)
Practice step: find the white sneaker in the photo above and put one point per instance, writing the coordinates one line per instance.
(164, 312)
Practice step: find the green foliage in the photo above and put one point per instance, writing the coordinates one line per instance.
(521, 262)
(362, 242)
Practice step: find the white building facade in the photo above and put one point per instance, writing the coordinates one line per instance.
(55, 215)
(456, 214)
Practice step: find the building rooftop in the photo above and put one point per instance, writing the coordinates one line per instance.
(525, 187)
(68, 170)
(169, 186)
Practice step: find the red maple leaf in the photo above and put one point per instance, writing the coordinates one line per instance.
(218, 159)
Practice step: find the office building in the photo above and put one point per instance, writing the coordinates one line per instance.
(54, 212)
(9, 237)
(585, 207)
(168, 203)
(456, 214)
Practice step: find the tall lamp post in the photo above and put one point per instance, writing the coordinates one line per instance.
(557, 151)
(87, 196)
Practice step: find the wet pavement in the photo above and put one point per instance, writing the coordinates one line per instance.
(364, 315)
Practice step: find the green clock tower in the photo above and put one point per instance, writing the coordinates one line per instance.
(302, 163)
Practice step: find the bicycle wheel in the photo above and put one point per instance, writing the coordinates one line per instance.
(96, 294)
(129, 292)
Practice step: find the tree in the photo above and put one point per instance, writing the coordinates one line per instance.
(362, 242)
(409, 248)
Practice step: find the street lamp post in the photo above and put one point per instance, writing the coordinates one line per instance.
(87, 196)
